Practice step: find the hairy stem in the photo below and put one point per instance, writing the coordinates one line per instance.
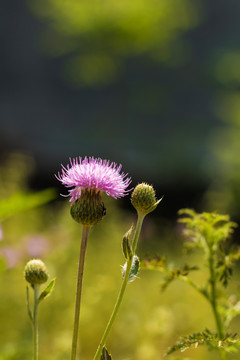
(122, 290)
(85, 233)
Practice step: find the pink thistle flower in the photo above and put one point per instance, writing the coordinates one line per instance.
(91, 173)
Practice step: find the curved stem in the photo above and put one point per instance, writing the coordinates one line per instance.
(35, 321)
(85, 233)
(122, 290)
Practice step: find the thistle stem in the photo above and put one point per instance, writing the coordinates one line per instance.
(85, 233)
(122, 289)
(36, 289)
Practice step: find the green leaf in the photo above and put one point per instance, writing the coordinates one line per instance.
(180, 273)
(230, 310)
(127, 249)
(229, 343)
(20, 202)
(227, 254)
(211, 227)
(156, 263)
(105, 355)
(134, 268)
(159, 264)
(47, 291)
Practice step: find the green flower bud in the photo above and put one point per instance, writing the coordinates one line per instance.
(89, 209)
(144, 199)
(35, 272)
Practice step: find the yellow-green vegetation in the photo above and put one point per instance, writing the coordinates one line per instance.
(96, 37)
(149, 320)
(210, 232)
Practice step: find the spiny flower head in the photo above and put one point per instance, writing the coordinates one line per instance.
(36, 272)
(143, 198)
(90, 173)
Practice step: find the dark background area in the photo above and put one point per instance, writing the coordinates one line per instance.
(160, 119)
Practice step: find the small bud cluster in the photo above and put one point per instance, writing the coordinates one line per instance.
(35, 272)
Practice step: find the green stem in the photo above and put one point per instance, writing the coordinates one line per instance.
(194, 286)
(35, 322)
(85, 233)
(122, 290)
(213, 297)
(184, 278)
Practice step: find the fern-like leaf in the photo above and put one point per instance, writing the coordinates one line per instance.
(229, 343)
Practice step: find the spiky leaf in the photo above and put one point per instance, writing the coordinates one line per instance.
(229, 343)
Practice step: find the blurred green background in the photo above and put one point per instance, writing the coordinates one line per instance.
(149, 320)
(153, 85)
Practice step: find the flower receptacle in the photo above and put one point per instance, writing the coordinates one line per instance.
(89, 209)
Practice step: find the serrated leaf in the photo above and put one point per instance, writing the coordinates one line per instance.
(105, 354)
(214, 224)
(156, 263)
(230, 342)
(47, 291)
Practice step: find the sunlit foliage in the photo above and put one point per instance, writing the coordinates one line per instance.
(210, 232)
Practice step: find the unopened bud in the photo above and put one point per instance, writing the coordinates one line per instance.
(89, 209)
(35, 272)
(144, 199)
